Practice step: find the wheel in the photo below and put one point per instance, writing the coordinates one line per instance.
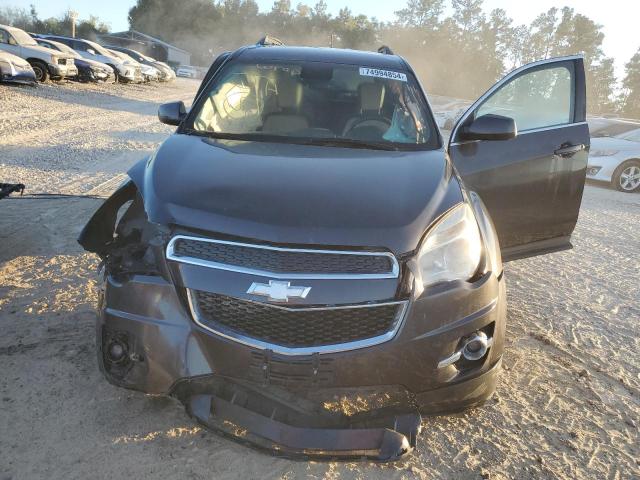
(626, 178)
(40, 69)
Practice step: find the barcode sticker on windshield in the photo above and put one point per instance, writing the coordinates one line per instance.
(374, 72)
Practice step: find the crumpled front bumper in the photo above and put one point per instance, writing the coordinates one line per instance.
(305, 405)
(269, 419)
(24, 76)
(62, 71)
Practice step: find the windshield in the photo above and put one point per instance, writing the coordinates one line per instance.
(122, 56)
(337, 103)
(59, 46)
(137, 56)
(100, 49)
(23, 38)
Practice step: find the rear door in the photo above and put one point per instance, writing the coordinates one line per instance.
(531, 183)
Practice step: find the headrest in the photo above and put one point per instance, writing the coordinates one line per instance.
(371, 97)
(289, 94)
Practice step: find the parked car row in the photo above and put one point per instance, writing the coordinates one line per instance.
(34, 57)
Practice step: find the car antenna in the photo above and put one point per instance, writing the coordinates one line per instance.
(270, 41)
(385, 50)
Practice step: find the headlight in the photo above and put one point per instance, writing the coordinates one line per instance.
(452, 249)
(603, 153)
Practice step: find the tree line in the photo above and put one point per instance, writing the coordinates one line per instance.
(457, 55)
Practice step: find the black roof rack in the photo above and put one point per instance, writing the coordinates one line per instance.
(269, 41)
(385, 50)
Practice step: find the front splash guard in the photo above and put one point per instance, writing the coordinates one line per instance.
(288, 427)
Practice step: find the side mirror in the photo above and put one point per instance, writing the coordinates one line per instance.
(172, 113)
(91, 51)
(490, 127)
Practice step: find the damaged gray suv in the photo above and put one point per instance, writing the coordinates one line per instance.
(306, 264)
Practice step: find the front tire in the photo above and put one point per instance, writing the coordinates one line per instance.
(41, 70)
(626, 178)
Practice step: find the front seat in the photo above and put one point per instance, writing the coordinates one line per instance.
(371, 97)
(287, 118)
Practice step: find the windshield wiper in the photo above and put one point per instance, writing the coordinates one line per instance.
(350, 143)
(320, 141)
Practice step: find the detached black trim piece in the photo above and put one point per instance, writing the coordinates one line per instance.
(381, 444)
(382, 436)
(7, 189)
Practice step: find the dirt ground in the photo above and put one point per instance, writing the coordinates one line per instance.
(568, 401)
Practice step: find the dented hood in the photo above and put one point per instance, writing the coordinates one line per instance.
(297, 194)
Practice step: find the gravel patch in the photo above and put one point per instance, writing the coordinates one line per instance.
(70, 137)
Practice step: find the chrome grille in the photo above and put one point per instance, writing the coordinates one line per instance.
(282, 262)
(296, 330)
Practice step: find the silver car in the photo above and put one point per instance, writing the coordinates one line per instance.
(15, 69)
(616, 160)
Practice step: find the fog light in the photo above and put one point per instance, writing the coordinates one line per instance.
(117, 351)
(476, 346)
(593, 170)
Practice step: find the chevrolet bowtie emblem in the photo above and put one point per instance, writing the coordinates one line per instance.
(278, 291)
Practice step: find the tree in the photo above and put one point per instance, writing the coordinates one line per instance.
(468, 15)
(495, 41)
(600, 87)
(421, 13)
(631, 87)
(188, 24)
(541, 36)
(354, 31)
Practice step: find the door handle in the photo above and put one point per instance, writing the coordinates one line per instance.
(569, 151)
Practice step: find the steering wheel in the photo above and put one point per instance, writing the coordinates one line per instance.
(369, 128)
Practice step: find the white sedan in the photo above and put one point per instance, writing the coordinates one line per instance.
(616, 160)
(187, 71)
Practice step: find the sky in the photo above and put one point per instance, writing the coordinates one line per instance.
(619, 18)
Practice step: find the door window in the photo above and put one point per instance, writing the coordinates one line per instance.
(536, 99)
